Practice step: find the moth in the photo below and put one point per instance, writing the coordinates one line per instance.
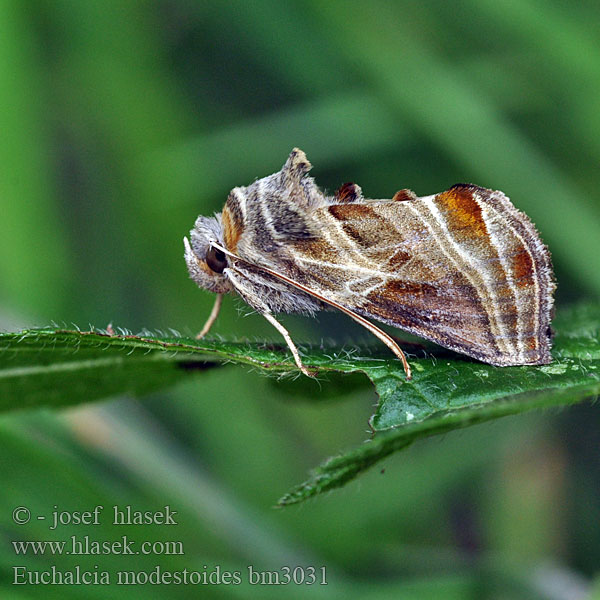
(463, 268)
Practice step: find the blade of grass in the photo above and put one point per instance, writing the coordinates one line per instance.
(331, 130)
(32, 252)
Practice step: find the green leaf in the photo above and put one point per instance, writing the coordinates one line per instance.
(58, 367)
(450, 393)
(55, 367)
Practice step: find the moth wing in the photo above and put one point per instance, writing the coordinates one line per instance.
(463, 268)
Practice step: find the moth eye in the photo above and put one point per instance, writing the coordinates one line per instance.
(216, 260)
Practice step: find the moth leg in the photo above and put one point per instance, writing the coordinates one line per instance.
(286, 336)
(214, 313)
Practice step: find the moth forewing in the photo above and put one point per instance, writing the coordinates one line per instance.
(462, 268)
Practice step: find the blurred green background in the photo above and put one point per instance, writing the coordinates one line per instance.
(120, 122)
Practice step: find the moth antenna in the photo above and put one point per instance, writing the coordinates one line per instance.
(379, 333)
(382, 335)
(286, 336)
(214, 313)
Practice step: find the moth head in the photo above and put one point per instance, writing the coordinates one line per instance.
(206, 264)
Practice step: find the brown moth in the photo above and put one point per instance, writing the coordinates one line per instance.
(463, 268)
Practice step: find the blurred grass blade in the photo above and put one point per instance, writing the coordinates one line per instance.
(330, 130)
(57, 368)
(29, 260)
(569, 43)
